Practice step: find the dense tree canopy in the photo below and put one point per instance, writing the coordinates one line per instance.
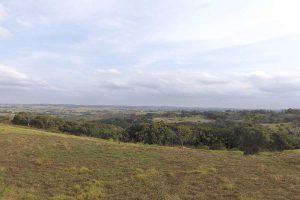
(248, 136)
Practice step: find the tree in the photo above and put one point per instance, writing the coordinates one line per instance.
(23, 118)
(282, 141)
(184, 134)
(44, 121)
(253, 139)
(134, 133)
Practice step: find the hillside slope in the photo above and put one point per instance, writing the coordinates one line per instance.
(40, 165)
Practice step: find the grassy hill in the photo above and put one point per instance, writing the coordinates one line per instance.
(41, 165)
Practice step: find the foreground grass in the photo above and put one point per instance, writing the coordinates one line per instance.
(40, 165)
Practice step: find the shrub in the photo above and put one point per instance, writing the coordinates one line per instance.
(23, 118)
(253, 139)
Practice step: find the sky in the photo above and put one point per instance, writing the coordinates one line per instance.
(195, 53)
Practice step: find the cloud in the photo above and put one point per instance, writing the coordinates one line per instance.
(42, 55)
(114, 85)
(197, 83)
(108, 72)
(3, 31)
(13, 79)
(2, 12)
(170, 52)
(24, 23)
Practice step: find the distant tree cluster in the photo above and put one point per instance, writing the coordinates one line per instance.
(249, 137)
(99, 130)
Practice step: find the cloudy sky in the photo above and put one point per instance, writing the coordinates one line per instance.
(206, 53)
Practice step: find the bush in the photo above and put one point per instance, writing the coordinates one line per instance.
(253, 139)
(250, 138)
(23, 118)
(45, 122)
(282, 141)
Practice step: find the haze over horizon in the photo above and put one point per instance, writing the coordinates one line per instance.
(194, 53)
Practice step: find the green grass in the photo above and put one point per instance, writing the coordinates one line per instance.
(194, 119)
(41, 165)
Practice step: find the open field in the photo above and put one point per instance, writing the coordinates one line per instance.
(194, 119)
(40, 165)
(73, 112)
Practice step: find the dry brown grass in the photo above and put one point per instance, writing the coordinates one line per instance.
(40, 165)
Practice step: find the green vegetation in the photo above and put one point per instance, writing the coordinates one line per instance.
(248, 136)
(50, 166)
(179, 119)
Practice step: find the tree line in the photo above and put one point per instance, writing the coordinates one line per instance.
(251, 138)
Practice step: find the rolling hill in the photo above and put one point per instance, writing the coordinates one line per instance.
(37, 165)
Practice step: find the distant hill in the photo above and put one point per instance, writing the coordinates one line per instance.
(120, 107)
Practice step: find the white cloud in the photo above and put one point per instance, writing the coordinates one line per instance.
(114, 85)
(24, 23)
(10, 78)
(197, 83)
(108, 71)
(9, 73)
(42, 55)
(3, 31)
(2, 12)
(230, 23)
(170, 48)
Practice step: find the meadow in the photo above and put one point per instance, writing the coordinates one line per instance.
(36, 165)
(193, 119)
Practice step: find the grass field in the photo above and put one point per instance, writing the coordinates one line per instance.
(40, 165)
(194, 119)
